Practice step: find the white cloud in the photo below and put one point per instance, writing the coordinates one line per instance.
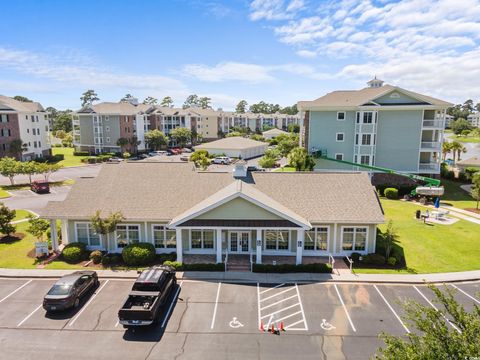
(306, 53)
(274, 9)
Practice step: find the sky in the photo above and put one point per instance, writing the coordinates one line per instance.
(278, 51)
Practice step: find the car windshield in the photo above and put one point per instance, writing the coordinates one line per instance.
(60, 289)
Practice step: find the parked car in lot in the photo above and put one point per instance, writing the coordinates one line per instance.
(115, 159)
(254, 168)
(187, 150)
(185, 157)
(157, 153)
(67, 292)
(149, 295)
(143, 156)
(176, 151)
(40, 187)
(224, 160)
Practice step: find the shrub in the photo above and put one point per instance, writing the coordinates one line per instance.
(74, 252)
(290, 268)
(355, 256)
(81, 153)
(470, 171)
(138, 254)
(96, 256)
(374, 259)
(57, 145)
(111, 259)
(161, 258)
(391, 193)
(391, 261)
(175, 264)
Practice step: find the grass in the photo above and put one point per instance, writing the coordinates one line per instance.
(4, 194)
(14, 255)
(21, 214)
(285, 169)
(431, 248)
(466, 139)
(70, 159)
(456, 196)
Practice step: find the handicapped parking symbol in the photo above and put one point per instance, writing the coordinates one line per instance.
(325, 325)
(235, 323)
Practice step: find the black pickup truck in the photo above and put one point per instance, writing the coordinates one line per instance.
(149, 294)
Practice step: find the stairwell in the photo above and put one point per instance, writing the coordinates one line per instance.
(238, 263)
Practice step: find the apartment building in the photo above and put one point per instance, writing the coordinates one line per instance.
(381, 125)
(26, 121)
(256, 122)
(448, 120)
(474, 119)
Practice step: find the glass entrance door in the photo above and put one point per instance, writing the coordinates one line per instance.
(239, 241)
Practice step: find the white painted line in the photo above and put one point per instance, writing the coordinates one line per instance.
(301, 307)
(391, 308)
(278, 302)
(272, 288)
(465, 293)
(88, 303)
(345, 309)
(288, 316)
(117, 323)
(433, 306)
(258, 305)
(295, 323)
(216, 305)
(28, 316)
(171, 305)
(281, 310)
(269, 322)
(17, 289)
(281, 292)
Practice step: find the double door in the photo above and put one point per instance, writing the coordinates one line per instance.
(238, 242)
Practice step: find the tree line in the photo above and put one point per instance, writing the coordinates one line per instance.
(461, 111)
(9, 167)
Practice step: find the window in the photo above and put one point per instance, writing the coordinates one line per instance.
(340, 137)
(108, 140)
(39, 144)
(367, 117)
(28, 131)
(107, 128)
(202, 239)
(365, 159)
(36, 117)
(340, 115)
(277, 239)
(366, 139)
(34, 144)
(127, 234)
(338, 156)
(33, 118)
(4, 118)
(86, 234)
(33, 131)
(354, 238)
(316, 239)
(164, 238)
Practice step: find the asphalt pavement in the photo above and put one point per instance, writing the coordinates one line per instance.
(215, 320)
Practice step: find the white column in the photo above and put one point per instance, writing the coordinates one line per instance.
(259, 247)
(300, 239)
(218, 239)
(65, 239)
(53, 234)
(179, 245)
(334, 239)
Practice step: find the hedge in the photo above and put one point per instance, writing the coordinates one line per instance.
(391, 193)
(81, 153)
(111, 259)
(195, 267)
(138, 254)
(96, 256)
(402, 189)
(290, 268)
(74, 252)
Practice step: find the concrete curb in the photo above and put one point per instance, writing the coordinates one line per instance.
(248, 277)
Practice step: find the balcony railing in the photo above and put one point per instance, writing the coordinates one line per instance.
(431, 145)
(429, 167)
(433, 124)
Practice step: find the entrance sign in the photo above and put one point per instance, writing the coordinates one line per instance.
(41, 248)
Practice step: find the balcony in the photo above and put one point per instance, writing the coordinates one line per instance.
(429, 167)
(433, 124)
(431, 145)
(76, 122)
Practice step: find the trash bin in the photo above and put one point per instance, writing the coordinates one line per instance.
(418, 214)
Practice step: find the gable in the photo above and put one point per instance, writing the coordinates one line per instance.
(396, 97)
(239, 208)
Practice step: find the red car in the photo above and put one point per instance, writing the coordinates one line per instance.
(40, 187)
(176, 151)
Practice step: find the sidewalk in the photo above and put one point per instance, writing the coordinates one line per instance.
(264, 278)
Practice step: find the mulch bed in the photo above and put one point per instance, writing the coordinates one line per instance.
(12, 238)
(473, 210)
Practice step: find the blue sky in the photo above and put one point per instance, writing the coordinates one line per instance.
(279, 51)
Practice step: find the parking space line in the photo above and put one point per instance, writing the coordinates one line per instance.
(345, 308)
(216, 305)
(276, 312)
(289, 316)
(289, 327)
(88, 303)
(258, 305)
(272, 288)
(301, 308)
(433, 306)
(281, 292)
(29, 315)
(391, 308)
(278, 302)
(171, 305)
(17, 289)
(465, 293)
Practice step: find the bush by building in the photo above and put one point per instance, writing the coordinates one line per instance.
(290, 268)
(74, 252)
(96, 256)
(138, 254)
(391, 193)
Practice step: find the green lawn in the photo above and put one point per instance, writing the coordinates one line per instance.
(431, 248)
(465, 139)
(456, 196)
(70, 159)
(14, 255)
(4, 194)
(21, 214)
(285, 169)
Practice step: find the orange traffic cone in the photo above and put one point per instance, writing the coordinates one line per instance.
(281, 327)
(262, 329)
(273, 329)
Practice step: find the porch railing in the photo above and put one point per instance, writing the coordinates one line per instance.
(331, 261)
(226, 260)
(350, 262)
(251, 261)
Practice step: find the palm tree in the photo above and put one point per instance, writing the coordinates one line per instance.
(122, 142)
(446, 149)
(134, 142)
(458, 148)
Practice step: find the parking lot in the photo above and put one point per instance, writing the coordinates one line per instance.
(214, 320)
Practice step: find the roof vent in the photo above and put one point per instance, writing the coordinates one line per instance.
(240, 170)
(375, 83)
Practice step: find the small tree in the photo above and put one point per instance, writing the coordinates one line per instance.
(122, 142)
(47, 169)
(201, 159)
(389, 238)
(434, 339)
(17, 147)
(476, 187)
(301, 160)
(167, 101)
(126, 155)
(155, 139)
(29, 168)
(293, 128)
(181, 135)
(9, 167)
(6, 217)
(37, 227)
(269, 160)
(105, 226)
(286, 143)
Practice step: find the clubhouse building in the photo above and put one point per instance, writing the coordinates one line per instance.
(210, 214)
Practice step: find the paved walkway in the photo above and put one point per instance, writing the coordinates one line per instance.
(265, 278)
(462, 214)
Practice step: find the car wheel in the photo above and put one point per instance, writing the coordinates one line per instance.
(76, 303)
(96, 283)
